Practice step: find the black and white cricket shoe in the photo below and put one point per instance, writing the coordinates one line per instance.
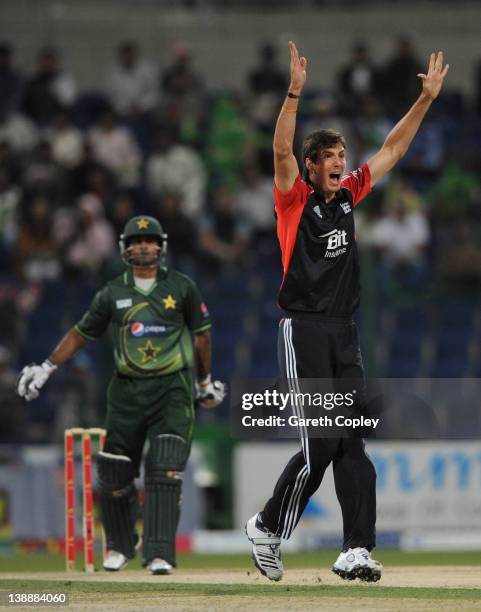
(357, 563)
(266, 549)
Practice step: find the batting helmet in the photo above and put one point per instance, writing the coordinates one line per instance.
(142, 225)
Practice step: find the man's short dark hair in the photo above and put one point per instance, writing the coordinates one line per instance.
(321, 139)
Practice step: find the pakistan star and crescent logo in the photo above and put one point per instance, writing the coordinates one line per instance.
(149, 351)
(142, 223)
(169, 302)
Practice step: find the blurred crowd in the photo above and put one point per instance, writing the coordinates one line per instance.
(76, 165)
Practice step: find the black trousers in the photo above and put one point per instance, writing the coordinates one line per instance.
(311, 346)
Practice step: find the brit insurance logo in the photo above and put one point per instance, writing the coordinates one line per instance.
(337, 243)
(147, 329)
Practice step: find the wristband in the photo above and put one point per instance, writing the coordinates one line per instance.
(291, 95)
(289, 110)
(48, 366)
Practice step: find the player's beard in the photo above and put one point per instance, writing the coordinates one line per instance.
(144, 260)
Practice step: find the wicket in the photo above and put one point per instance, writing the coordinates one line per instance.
(85, 436)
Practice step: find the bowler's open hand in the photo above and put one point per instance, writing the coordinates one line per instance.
(298, 70)
(433, 80)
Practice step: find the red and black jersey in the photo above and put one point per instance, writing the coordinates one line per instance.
(319, 253)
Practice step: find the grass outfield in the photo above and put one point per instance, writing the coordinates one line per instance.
(195, 589)
(412, 582)
(39, 562)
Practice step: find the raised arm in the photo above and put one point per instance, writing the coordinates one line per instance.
(400, 137)
(285, 164)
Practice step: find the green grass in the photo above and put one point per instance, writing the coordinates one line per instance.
(32, 563)
(244, 589)
(39, 562)
(325, 558)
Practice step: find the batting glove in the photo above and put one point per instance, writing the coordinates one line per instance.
(32, 378)
(211, 393)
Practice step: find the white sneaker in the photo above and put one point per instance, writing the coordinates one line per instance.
(357, 563)
(159, 566)
(266, 549)
(114, 561)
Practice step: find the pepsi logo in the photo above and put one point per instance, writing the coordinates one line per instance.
(137, 329)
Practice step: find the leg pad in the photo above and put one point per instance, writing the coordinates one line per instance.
(118, 502)
(164, 469)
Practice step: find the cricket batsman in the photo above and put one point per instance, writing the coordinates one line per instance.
(153, 311)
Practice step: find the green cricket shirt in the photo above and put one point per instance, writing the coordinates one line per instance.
(151, 329)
